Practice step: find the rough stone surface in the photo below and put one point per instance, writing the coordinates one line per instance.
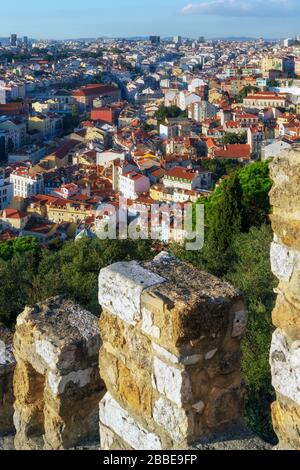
(56, 385)
(7, 366)
(120, 421)
(285, 261)
(286, 417)
(170, 357)
(120, 288)
(285, 363)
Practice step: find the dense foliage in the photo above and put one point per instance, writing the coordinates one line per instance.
(233, 138)
(245, 91)
(29, 274)
(165, 112)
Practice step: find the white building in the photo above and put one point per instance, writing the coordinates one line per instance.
(185, 99)
(16, 132)
(6, 192)
(200, 111)
(26, 183)
(132, 185)
(104, 158)
(274, 149)
(182, 178)
(10, 91)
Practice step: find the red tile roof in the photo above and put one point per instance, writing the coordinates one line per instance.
(65, 148)
(13, 214)
(234, 151)
(94, 90)
(181, 173)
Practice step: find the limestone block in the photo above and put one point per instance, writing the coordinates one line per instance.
(113, 416)
(120, 288)
(286, 419)
(111, 441)
(286, 316)
(7, 365)
(57, 385)
(285, 193)
(171, 382)
(287, 228)
(121, 340)
(239, 323)
(175, 421)
(283, 261)
(285, 366)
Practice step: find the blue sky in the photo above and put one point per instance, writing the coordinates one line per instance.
(92, 18)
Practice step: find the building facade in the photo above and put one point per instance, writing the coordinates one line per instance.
(26, 184)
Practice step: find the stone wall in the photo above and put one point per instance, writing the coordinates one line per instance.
(285, 258)
(7, 366)
(57, 386)
(170, 357)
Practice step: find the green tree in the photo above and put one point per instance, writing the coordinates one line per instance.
(225, 223)
(16, 280)
(250, 271)
(273, 83)
(165, 112)
(232, 138)
(19, 245)
(246, 91)
(256, 185)
(73, 270)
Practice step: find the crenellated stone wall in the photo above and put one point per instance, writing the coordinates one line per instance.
(170, 356)
(285, 259)
(7, 366)
(57, 386)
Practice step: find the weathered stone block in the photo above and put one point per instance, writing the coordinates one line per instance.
(286, 419)
(285, 365)
(120, 287)
(177, 422)
(171, 381)
(113, 416)
(287, 229)
(285, 193)
(286, 316)
(284, 261)
(57, 384)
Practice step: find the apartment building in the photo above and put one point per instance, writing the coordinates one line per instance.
(201, 111)
(10, 91)
(182, 178)
(85, 96)
(265, 100)
(26, 183)
(6, 192)
(133, 184)
(48, 125)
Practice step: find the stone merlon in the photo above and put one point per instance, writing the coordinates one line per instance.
(170, 357)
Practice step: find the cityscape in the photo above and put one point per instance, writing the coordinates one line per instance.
(150, 184)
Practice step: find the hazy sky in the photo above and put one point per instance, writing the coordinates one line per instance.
(92, 18)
